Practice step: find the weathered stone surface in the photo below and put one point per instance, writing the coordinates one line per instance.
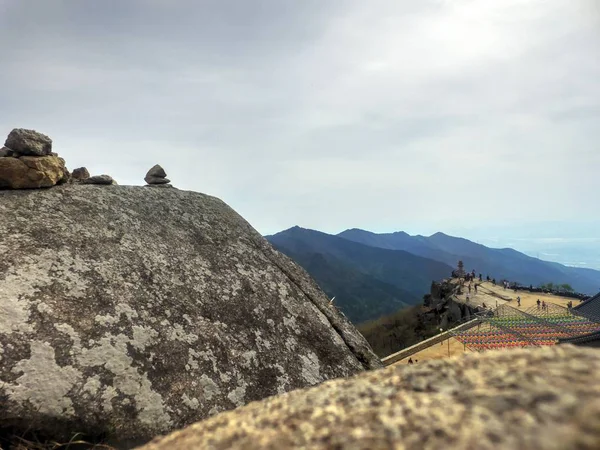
(30, 172)
(134, 311)
(159, 185)
(156, 180)
(29, 142)
(99, 179)
(79, 174)
(5, 151)
(510, 400)
(157, 171)
(156, 175)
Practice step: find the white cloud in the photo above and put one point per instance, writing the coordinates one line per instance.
(325, 114)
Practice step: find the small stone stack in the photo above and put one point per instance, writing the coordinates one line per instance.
(27, 161)
(157, 177)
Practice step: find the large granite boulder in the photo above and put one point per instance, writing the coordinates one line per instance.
(507, 400)
(29, 142)
(129, 312)
(32, 172)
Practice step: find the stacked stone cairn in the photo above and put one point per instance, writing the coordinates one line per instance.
(157, 177)
(27, 162)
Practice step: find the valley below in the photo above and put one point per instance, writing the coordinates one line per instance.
(374, 275)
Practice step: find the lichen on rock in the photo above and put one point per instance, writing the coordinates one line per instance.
(150, 310)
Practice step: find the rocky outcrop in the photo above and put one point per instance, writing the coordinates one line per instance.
(128, 312)
(99, 179)
(156, 176)
(443, 310)
(31, 172)
(28, 142)
(509, 400)
(27, 162)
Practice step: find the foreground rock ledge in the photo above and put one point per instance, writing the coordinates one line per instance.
(128, 312)
(512, 400)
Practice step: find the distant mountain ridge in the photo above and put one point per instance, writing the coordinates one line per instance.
(498, 263)
(372, 274)
(368, 281)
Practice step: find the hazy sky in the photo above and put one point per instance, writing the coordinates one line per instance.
(384, 115)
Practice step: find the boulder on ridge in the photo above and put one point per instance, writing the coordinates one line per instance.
(31, 172)
(129, 312)
(80, 174)
(99, 179)
(156, 176)
(28, 142)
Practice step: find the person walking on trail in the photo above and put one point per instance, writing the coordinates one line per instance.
(476, 289)
(410, 361)
(538, 303)
(543, 306)
(519, 302)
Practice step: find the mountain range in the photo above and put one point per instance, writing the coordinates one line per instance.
(372, 275)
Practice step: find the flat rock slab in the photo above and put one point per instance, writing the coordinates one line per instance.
(156, 180)
(159, 185)
(509, 400)
(130, 312)
(99, 179)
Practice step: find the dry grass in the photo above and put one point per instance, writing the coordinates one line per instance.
(29, 441)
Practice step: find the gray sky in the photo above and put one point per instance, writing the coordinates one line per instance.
(328, 114)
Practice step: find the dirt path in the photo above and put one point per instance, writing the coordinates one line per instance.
(441, 350)
(492, 296)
